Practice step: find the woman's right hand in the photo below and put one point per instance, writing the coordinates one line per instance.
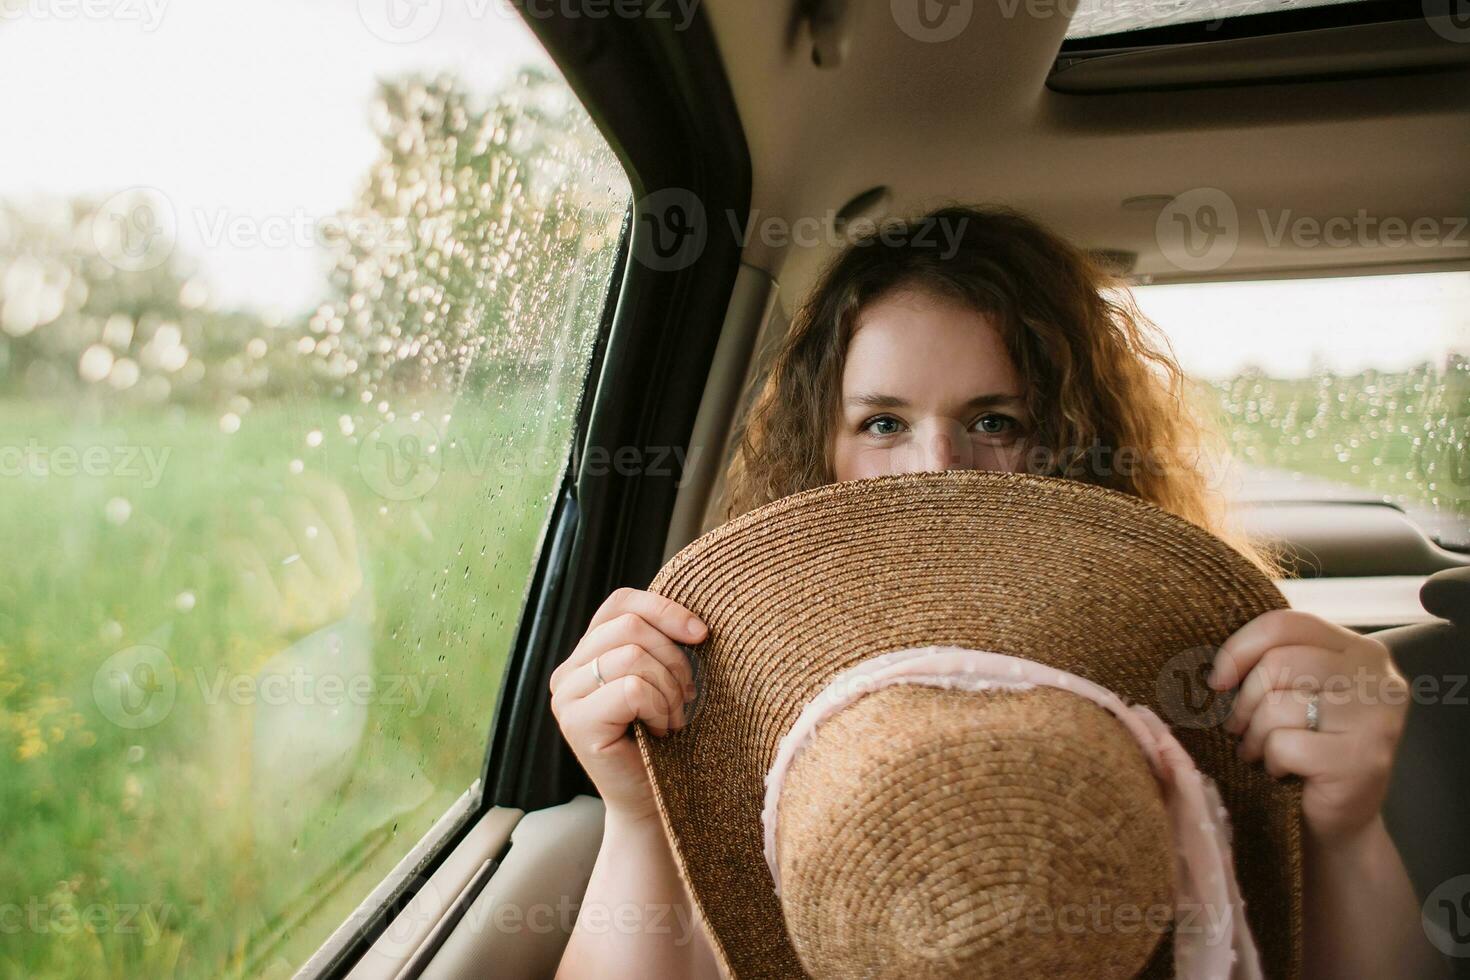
(634, 639)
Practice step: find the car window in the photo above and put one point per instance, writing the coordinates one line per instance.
(1335, 388)
(297, 303)
(1094, 18)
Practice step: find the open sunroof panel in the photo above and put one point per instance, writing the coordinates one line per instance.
(1111, 24)
(1143, 45)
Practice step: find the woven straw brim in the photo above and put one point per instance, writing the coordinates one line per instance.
(1084, 579)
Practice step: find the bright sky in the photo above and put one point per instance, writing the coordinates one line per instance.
(249, 117)
(1287, 327)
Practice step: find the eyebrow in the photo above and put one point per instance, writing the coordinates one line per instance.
(879, 400)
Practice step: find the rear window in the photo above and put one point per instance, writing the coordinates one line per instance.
(297, 305)
(1336, 388)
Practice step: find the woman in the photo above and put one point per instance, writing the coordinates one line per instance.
(1013, 352)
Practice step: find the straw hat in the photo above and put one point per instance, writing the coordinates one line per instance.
(946, 728)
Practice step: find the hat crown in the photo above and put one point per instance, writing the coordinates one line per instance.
(937, 833)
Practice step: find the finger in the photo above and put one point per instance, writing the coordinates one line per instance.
(274, 540)
(335, 567)
(1280, 709)
(1278, 628)
(1281, 669)
(281, 555)
(336, 512)
(313, 538)
(664, 614)
(630, 628)
(1298, 752)
(257, 586)
(599, 720)
(620, 662)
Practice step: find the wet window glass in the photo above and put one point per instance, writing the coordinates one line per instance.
(297, 302)
(1335, 389)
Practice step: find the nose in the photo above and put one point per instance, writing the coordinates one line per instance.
(935, 448)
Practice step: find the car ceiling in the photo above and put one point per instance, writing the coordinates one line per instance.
(971, 119)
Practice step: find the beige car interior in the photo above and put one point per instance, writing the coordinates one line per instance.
(1094, 149)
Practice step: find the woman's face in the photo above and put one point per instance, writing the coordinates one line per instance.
(928, 386)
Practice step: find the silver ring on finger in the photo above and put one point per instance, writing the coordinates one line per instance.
(1314, 712)
(597, 671)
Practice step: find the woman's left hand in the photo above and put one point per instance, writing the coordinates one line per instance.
(1281, 660)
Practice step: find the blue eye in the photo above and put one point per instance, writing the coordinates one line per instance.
(993, 423)
(873, 425)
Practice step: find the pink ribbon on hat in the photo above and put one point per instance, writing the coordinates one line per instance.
(1212, 938)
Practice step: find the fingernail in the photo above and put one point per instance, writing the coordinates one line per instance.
(695, 628)
(689, 692)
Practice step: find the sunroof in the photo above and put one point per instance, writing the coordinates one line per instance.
(1100, 18)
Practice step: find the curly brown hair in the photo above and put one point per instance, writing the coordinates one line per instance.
(1109, 404)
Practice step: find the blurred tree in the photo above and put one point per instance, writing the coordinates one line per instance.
(453, 272)
(450, 270)
(77, 318)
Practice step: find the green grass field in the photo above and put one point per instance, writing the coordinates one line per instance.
(164, 817)
(1404, 436)
(195, 843)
